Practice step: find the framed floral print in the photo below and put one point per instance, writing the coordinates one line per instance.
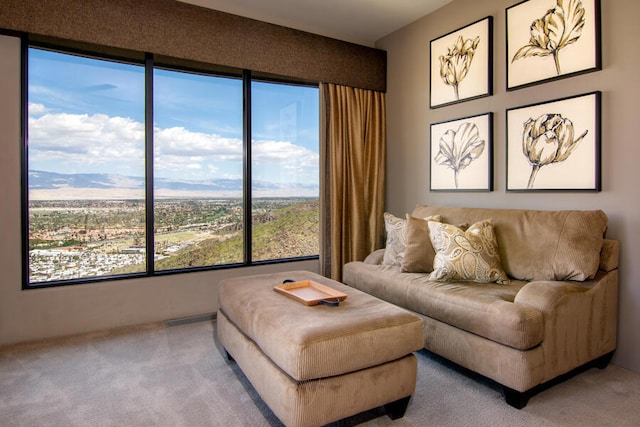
(461, 64)
(461, 154)
(555, 145)
(552, 39)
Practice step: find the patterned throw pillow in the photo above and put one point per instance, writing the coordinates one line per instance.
(466, 255)
(395, 247)
(397, 238)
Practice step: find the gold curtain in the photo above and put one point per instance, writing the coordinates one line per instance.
(353, 157)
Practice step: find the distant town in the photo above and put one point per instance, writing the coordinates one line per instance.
(78, 262)
(70, 239)
(90, 225)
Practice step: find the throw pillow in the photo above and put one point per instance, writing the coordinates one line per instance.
(419, 252)
(466, 255)
(395, 246)
(396, 238)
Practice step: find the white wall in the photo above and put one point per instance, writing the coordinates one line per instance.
(409, 118)
(33, 314)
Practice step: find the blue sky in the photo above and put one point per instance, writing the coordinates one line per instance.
(87, 116)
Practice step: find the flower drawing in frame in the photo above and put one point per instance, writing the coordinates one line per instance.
(461, 62)
(460, 154)
(551, 39)
(458, 148)
(555, 145)
(546, 140)
(558, 28)
(454, 66)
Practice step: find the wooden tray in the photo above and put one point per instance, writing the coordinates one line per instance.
(309, 292)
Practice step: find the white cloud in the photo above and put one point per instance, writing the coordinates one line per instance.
(89, 142)
(37, 109)
(291, 163)
(178, 141)
(84, 139)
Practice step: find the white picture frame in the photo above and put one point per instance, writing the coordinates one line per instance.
(548, 40)
(555, 145)
(461, 154)
(465, 58)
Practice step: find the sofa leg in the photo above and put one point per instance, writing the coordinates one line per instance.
(603, 361)
(517, 399)
(229, 357)
(397, 408)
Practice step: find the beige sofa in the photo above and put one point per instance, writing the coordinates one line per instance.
(558, 312)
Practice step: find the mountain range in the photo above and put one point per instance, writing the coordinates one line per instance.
(42, 180)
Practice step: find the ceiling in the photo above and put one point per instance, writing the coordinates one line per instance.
(357, 21)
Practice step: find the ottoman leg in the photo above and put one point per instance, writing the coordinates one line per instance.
(229, 356)
(397, 408)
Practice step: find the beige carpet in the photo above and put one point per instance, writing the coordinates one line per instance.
(178, 376)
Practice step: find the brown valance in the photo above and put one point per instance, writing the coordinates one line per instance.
(179, 30)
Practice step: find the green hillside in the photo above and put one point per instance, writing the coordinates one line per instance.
(288, 232)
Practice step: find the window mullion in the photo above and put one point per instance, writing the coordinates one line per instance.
(246, 147)
(24, 152)
(149, 194)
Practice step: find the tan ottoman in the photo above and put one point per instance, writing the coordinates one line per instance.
(313, 365)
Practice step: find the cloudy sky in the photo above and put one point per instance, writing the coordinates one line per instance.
(87, 116)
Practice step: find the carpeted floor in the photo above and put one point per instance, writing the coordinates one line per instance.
(155, 375)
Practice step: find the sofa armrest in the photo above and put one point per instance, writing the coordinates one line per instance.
(580, 319)
(375, 257)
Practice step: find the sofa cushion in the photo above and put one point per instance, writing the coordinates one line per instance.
(419, 252)
(466, 255)
(484, 309)
(538, 245)
(609, 255)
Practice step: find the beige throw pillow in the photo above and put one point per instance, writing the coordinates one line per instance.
(419, 252)
(396, 238)
(466, 255)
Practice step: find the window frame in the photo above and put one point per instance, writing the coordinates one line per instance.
(149, 65)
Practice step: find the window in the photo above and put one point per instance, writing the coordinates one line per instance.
(198, 170)
(86, 167)
(105, 199)
(284, 170)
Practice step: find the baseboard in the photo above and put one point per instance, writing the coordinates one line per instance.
(192, 319)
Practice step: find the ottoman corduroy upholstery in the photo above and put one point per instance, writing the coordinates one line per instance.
(313, 365)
